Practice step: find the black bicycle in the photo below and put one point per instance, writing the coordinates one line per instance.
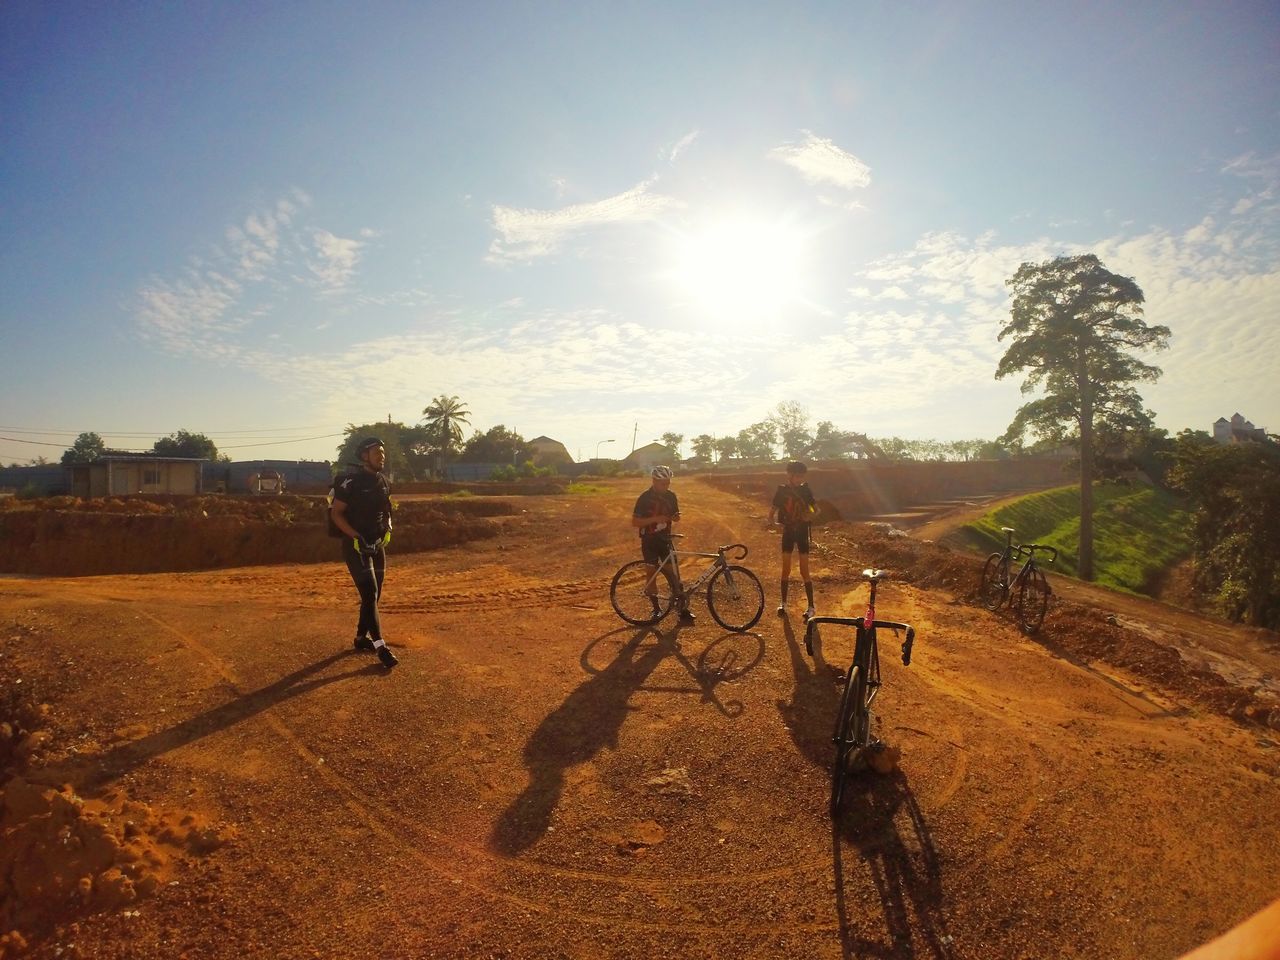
(642, 595)
(1028, 588)
(862, 683)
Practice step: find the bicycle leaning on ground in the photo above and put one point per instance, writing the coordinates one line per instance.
(862, 683)
(641, 594)
(1027, 591)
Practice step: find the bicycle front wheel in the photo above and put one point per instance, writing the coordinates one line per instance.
(1033, 601)
(994, 586)
(849, 724)
(735, 598)
(629, 594)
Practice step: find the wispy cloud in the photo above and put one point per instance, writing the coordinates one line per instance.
(820, 161)
(264, 261)
(525, 234)
(682, 145)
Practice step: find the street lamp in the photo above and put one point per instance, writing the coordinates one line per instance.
(598, 447)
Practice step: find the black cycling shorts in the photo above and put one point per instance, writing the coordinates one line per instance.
(795, 538)
(655, 548)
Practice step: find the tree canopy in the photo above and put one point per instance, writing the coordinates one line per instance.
(184, 443)
(445, 417)
(1071, 327)
(496, 445)
(86, 448)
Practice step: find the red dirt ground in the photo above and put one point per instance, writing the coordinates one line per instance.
(198, 765)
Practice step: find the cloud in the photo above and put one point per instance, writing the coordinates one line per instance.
(684, 144)
(334, 261)
(525, 234)
(820, 161)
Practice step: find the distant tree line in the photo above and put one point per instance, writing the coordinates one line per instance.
(89, 447)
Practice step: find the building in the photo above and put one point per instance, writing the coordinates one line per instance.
(1237, 430)
(649, 456)
(548, 452)
(118, 474)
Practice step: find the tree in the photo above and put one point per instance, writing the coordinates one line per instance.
(756, 441)
(496, 445)
(1071, 326)
(393, 437)
(704, 446)
(790, 422)
(184, 443)
(673, 440)
(87, 448)
(726, 447)
(445, 417)
(1235, 494)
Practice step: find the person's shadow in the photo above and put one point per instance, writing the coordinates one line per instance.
(126, 756)
(591, 716)
(904, 870)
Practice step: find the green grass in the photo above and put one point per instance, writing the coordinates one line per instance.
(584, 488)
(1138, 532)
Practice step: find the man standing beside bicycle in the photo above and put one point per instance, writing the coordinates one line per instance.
(655, 511)
(794, 507)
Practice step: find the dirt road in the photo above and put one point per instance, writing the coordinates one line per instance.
(537, 780)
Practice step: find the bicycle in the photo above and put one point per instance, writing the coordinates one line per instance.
(1032, 589)
(862, 683)
(641, 594)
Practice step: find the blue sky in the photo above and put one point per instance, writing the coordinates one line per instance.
(263, 222)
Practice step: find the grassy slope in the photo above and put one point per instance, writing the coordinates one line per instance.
(1138, 531)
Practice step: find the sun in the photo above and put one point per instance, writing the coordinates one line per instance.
(739, 268)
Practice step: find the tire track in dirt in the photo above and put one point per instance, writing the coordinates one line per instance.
(461, 863)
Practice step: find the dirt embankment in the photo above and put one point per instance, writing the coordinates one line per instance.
(868, 488)
(67, 536)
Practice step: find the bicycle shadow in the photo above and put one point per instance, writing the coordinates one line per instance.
(904, 870)
(127, 756)
(590, 718)
(904, 867)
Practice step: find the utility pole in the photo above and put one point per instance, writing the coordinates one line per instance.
(633, 436)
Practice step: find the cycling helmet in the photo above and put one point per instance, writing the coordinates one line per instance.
(661, 473)
(367, 444)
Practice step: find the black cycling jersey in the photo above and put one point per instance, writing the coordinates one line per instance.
(654, 503)
(368, 499)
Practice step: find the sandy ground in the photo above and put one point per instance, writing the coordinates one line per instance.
(538, 780)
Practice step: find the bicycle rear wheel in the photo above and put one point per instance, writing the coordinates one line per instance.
(629, 599)
(735, 598)
(994, 586)
(1033, 601)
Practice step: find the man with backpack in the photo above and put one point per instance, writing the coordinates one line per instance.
(360, 513)
(794, 507)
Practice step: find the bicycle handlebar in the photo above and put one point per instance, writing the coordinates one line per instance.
(1030, 548)
(735, 546)
(859, 622)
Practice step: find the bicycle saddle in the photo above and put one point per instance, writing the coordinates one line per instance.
(874, 574)
(1007, 529)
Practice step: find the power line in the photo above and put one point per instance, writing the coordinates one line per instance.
(153, 433)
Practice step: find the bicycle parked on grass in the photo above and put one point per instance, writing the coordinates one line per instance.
(642, 595)
(1027, 592)
(862, 682)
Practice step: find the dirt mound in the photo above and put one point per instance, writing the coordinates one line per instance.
(66, 536)
(64, 855)
(1074, 631)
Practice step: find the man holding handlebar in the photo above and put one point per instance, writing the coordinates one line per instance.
(360, 513)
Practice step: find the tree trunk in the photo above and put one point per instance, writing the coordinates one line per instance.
(1084, 565)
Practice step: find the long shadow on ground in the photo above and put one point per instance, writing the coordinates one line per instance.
(903, 867)
(126, 756)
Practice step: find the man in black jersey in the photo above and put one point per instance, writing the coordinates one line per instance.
(794, 507)
(361, 511)
(655, 510)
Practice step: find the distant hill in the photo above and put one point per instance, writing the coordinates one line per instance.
(1140, 532)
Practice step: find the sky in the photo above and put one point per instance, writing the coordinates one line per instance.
(604, 222)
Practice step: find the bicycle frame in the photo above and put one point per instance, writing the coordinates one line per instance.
(719, 561)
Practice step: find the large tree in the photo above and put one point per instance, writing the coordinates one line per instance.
(756, 441)
(184, 443)
(704, 446)
(674, 441)
(1072, 325)
(445, 417)
(87, 448)
(496, 445)
(790, 422)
